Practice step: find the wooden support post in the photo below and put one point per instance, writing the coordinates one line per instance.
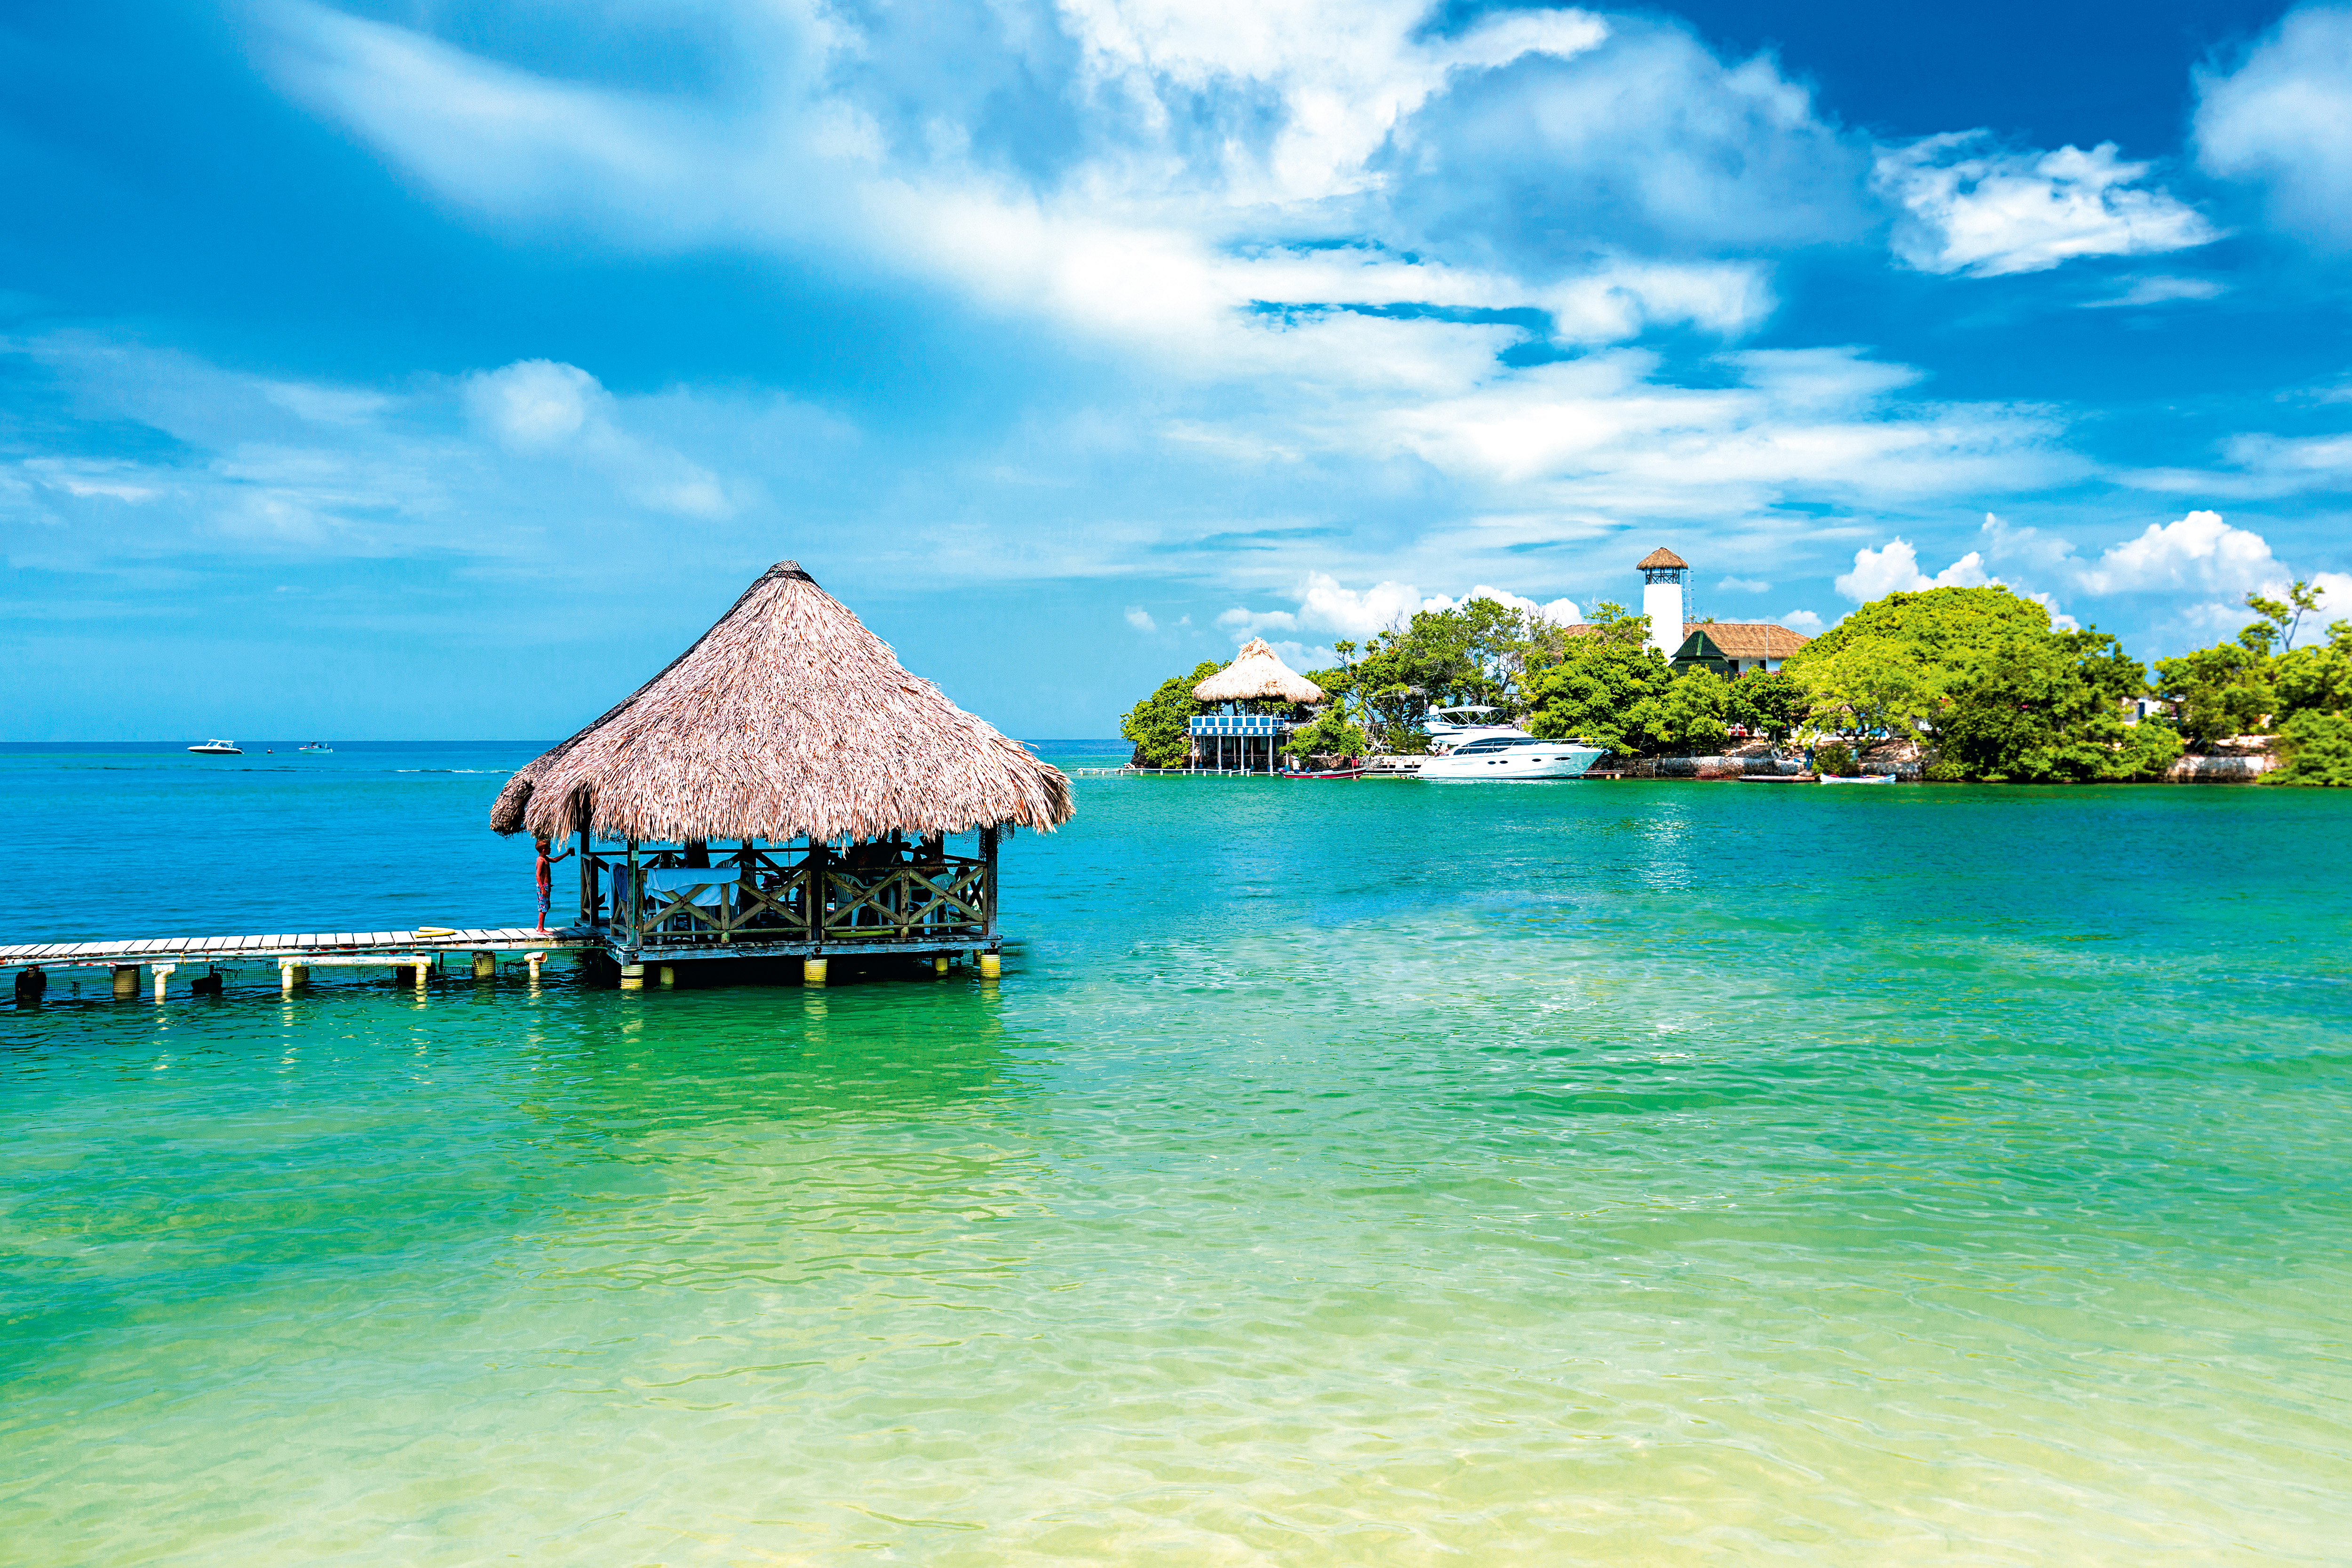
(485, 966)
(939, 964)
(285, 980)
(668, 977)
(301, 975)
(988, 880)
(812, 971)
(816, 889)
(422, 972)
(991, 965)
(633, 977)
(635, 895)
(534, 960)
(162, 972)
(589, 896)
(126, 981)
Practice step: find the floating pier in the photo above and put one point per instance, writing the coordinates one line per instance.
(295, 953)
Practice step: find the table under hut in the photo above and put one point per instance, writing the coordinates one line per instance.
(784, 788)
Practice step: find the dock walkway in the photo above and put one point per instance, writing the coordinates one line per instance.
(291, 945)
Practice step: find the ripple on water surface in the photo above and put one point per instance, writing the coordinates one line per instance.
(1380, 1174)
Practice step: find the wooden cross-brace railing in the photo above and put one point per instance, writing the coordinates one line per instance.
(945, 898)
(740, 908)
(906, 902)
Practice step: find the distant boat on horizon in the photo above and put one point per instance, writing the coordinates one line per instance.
(218, 749)
(316, 746)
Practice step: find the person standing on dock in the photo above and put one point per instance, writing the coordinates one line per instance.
(546, 879)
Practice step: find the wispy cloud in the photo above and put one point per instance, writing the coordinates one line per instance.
(2160, 290)
(1971, 208)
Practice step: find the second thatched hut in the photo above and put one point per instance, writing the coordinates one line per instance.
(1250, 742)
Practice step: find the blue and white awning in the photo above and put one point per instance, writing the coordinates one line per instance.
(1237, 724)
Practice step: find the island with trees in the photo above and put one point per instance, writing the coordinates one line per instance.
(1976, 682)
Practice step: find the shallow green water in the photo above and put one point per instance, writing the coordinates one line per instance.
(1381, 1173)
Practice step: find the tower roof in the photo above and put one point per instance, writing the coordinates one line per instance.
(1659, 557)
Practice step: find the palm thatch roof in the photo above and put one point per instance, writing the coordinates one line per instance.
(1257, 672)
(786, 719)
(1750, 639)
(1659, 558)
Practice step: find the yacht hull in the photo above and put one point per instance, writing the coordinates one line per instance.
(1563, 760)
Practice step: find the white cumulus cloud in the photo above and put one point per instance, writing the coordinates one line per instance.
(533, 405)
(1894, 568)
(2282, 122)
(2199, 551)
(1141, 619)
(1327, 605)
(1355, 613)
(2335, 591)
(1971, 209)
(1559, 612)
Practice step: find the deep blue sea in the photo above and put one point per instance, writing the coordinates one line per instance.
(1382, 1172)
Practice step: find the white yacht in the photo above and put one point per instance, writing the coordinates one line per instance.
(1507, 751)
(218, 749)
(1450, 727)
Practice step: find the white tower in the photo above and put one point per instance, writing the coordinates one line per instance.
(1662, 598)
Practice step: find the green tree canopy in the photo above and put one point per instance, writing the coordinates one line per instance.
(2048, 708)
(1160, 725)
(2241, 688)
(2220, 690)
(1687, 716)
(1598, 688)
(2313, 684)
(1331, 734)
(2316, 678)
(1774, 704)
(1475, 652)
(1891, 665)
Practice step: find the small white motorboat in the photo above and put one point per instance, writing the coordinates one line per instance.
(1864, 778)
(218, 749)
(316, 746)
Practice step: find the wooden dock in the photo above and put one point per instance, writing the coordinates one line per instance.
(292, 947)
(1400, 772)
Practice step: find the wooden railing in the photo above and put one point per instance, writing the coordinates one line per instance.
(790, 896)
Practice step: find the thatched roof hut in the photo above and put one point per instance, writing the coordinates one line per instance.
(786, 719)
(1257, 672)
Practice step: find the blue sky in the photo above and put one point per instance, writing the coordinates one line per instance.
(425, 369)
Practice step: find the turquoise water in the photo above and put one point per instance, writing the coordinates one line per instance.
(1380, 1173)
